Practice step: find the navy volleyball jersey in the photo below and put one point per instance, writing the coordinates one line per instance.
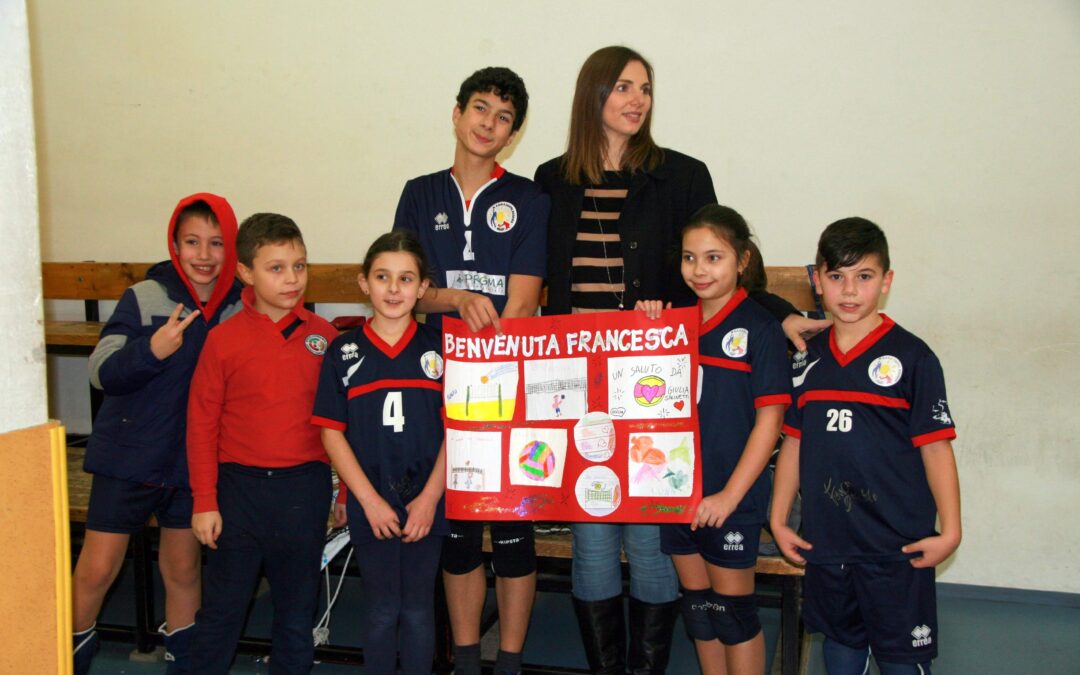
(388, 402)
(744, 366)
(862, 417)
(476, 246)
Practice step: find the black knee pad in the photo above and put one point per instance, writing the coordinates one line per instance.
(736, 620)
(513, 549)
(461, 551)
(696, 609)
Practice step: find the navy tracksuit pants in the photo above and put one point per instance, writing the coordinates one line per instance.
(272, 519)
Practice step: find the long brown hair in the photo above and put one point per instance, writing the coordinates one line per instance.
(584, 159)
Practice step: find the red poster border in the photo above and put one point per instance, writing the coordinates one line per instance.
(530, 503)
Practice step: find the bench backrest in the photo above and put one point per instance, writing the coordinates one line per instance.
(327, 282)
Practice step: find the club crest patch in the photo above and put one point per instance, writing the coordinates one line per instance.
(316, 344)
(501, 217)
(885, 371)
(432, 364)
(736, 342)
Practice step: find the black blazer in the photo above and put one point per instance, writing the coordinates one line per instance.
(658, 204)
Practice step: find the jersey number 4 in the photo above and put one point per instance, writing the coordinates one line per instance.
(393, 412)
(839, 420)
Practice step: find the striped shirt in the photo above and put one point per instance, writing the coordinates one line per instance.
(596, 275)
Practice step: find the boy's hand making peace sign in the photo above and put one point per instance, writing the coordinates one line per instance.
(167, 339)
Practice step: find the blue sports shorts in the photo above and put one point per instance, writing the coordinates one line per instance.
(731, 545)
(123, 506)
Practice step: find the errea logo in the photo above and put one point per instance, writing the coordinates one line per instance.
(442, 222)
(921, 635)
(734, 541)
(348, 351)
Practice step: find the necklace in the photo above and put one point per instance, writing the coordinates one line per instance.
(603, 244)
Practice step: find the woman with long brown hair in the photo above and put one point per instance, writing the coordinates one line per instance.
(618, 202)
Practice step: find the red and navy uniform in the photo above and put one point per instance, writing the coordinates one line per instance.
(476, 244)
(387, 400)
(743, 357)
(861, 418)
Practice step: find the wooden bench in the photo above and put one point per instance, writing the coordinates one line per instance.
(93, 282)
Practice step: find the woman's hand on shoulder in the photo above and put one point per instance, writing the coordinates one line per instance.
(799, 329)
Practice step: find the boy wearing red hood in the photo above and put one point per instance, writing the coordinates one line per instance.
(144, 363)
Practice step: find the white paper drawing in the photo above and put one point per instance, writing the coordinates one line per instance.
(594, 437)
(481, 392)
(537, 457)
(556, 388)
(473, 460)
(649, 387)
(661, 464)
(598, 491)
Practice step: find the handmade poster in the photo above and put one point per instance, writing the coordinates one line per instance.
(585, 417)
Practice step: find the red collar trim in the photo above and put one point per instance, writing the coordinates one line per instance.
(866, 343)
(496, 173)
(725, 311)
(391, 351)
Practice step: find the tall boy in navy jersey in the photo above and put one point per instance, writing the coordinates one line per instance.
(484, 231)
(260, 477)
(869, 444)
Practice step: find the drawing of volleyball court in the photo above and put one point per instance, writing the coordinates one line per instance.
(473, 461)
(556, 389)
(481, 392)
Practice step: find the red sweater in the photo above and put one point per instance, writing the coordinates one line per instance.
(252, 396)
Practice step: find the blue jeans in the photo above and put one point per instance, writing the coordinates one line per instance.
(597, 574)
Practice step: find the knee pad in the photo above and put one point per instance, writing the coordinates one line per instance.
(461, 552)
(736, 620)
(696, 610)
(513, 549)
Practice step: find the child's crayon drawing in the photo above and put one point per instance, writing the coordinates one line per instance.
(598, 491)
(537, 457)
(480, 392)
(473, 460)
(594, 437)
(649, 387)
(661, 464)
(556, 388)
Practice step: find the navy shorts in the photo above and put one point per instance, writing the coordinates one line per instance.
(123, 506)
(731, 545)
(889, 606)
(513, 548)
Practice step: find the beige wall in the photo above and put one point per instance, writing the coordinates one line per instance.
(22, 342)
(952, 124)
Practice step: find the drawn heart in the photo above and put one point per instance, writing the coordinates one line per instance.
(679, 405)
(649, 392)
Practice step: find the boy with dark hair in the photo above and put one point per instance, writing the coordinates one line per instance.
(143, 363)
(260, 477)
(484, 231)
(869, 440)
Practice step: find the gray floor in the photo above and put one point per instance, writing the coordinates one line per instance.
(978, 636)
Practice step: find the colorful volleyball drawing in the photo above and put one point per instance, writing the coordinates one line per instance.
(649, 390)
(537, 460)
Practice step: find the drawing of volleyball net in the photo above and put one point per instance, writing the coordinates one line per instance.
(556, 386)
(485, 395)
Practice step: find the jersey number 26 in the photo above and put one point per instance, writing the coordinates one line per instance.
(839, 420)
